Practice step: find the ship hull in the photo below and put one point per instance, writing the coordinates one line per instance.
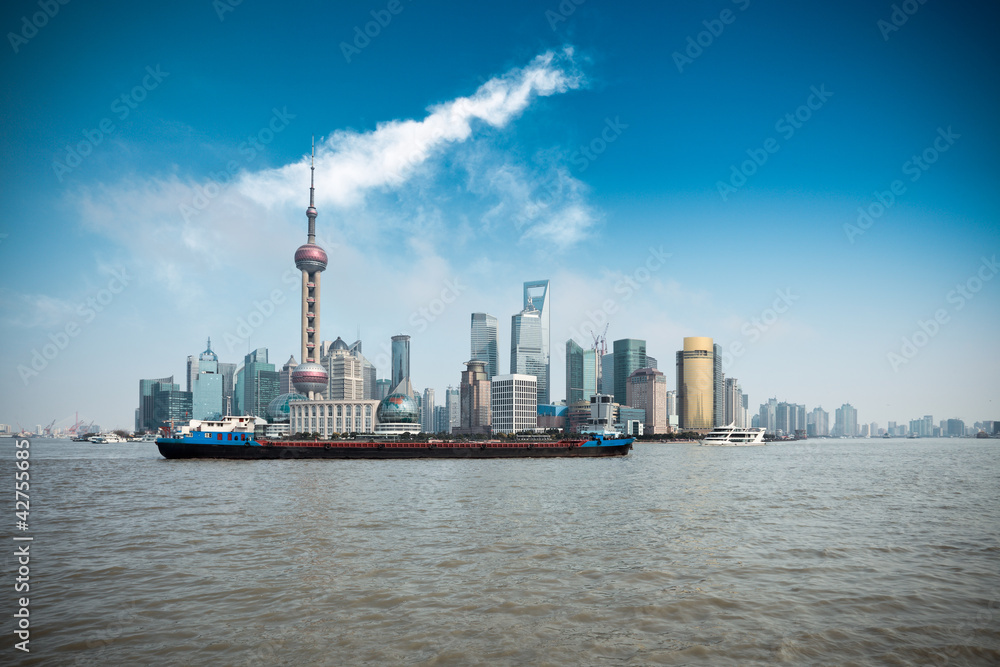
(180, 449)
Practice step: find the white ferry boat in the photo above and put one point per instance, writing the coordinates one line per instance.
(731, 436)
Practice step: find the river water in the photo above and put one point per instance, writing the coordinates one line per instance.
(819, 552)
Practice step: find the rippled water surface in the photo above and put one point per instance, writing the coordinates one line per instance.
(819, 552)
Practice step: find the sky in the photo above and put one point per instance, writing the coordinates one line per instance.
(813, 185)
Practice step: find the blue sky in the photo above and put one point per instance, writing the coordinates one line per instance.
(471, 148)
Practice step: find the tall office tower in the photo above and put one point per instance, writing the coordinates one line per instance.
(145, 418)
(646, 389)
(261, 382)
(581, 373)
(846, 423)
(800, 418)
(347, 381)
(192, 370)
(382, 388)
(672, 402)
(453, 404)
(536, 292)
(228, 373)
(285, 375)
(526, 351)
(206, 390)
(734, 403)
(400, 359)
(440, 419)
(630, 356)
(956, 427)
(238, 392)
(309, 377)
(367, 371)
(873, 430)
(650, 362)
(696, 384)
(718, 388)
(427, 412)
(746, 410)
(513, 403)
(818, 423)
(474, 396)
(171, 406)
(781, 419)
(607, 383)
(484, 342)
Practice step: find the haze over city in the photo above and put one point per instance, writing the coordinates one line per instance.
(812, 189)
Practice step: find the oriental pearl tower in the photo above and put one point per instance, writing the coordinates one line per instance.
(309, 377)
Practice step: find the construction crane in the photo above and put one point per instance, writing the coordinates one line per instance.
(48, 429)
(601, 342)
(72, 430)
(600, 349)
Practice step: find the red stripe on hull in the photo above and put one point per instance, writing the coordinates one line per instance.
(175, 449)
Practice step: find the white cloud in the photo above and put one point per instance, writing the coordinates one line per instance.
(350, 164)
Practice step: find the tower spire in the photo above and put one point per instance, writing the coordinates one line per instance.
(311, 211)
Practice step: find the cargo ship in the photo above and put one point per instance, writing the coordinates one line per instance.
(241, 438)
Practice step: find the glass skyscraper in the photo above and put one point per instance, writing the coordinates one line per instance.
(207, 386)
(536, 292)
(400, 359)
(526, 355)
(581, 373)
(718, 388)
(146, 420)
(484, 342)
(261, 383)
(630, 356)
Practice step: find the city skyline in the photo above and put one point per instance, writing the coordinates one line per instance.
(570, 148)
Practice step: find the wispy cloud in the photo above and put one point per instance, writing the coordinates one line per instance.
(349, 164)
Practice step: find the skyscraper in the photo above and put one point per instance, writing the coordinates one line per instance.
(718, 388)
(261, 382)
(428, 425)
(818, 423)
(192, 370)
(630, 356)
(846, 422)
(475, 397)
(484, 342)
(526, 351)
(206, 390)
(581, 373)
(345, 370)
(147, 388)
(607, 383)
(646, 389)
(400, 359)
(285, 376)
(734, 404)
(537, 293)
(453, 405)
(696, 384)
(309, 377)
(228, 373)
(368, 372)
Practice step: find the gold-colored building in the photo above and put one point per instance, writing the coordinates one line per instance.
(696, 384)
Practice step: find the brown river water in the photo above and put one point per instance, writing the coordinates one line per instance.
(822, 552)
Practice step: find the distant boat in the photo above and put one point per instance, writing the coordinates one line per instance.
(110, 438)
(731, 436)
